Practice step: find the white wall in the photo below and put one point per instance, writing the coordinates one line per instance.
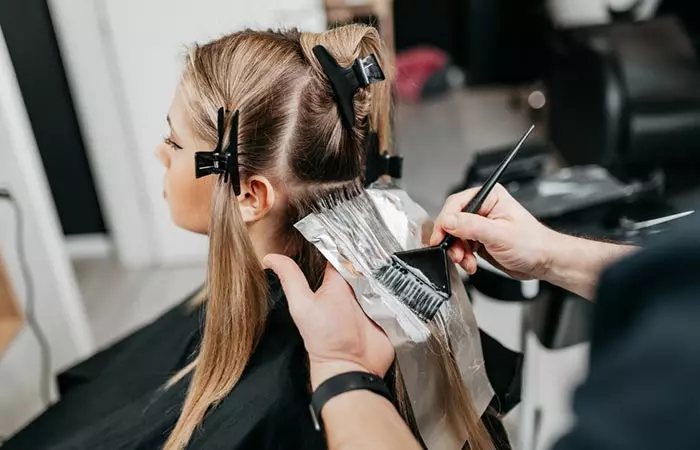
(139, 48)
(570, 13)
(57, 301)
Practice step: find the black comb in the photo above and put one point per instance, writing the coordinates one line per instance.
(420, 278)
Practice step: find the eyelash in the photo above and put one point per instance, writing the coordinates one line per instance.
(171, 143)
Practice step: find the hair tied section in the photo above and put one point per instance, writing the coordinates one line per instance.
(222, 161)
(346, 81)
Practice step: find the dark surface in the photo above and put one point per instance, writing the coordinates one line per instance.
(496, 41)
(504, 369)
(116, 400)
(627, 97)
(688, 11)
(506, 40)
(438, 23)
(641, 392)
(32, 45)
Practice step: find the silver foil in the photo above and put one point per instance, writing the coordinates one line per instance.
(356, 242)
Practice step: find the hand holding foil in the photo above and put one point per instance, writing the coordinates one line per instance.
(359, 235)
(338, 335)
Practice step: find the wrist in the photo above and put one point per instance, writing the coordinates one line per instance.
(575, 263)
(322, 371)
(551, 260)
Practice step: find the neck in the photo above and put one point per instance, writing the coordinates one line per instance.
(264, 240)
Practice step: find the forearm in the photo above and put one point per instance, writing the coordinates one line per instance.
(361, 419)
(576, 264)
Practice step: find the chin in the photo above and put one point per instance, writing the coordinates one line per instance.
(187, 224)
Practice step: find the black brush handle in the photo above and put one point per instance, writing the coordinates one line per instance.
(475, 203)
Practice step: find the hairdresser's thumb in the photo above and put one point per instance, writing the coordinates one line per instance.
(471, 227)
(294, 284)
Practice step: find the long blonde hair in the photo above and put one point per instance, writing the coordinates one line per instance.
(290, 131)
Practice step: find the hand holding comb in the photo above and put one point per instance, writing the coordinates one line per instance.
(420, 278)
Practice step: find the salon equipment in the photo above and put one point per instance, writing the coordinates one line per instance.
(531, 162)
(569, 189)
(10, 315)
(421, 277)
(627, 97)
(632, 228)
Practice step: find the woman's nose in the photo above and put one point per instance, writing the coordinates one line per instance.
(161, 153)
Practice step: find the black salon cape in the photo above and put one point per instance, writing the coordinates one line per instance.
(643, 387)
(116, 400)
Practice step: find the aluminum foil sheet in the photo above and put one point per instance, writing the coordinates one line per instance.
(357, 236)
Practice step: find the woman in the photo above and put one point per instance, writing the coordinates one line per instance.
(241, 380)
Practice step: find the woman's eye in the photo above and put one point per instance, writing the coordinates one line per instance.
(171, 143)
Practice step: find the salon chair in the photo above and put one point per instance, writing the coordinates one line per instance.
(627, 97)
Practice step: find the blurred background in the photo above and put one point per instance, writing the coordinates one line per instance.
(90, 252)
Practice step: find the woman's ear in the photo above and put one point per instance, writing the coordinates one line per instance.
(257, 198)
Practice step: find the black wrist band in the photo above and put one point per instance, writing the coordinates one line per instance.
(339, 384)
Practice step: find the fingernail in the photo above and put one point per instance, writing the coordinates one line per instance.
(450, 222)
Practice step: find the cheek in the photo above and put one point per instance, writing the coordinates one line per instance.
(189, 198)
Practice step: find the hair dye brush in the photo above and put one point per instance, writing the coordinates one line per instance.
(420, 278)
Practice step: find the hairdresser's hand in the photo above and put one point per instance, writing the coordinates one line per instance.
(337, 334)
(510, 237)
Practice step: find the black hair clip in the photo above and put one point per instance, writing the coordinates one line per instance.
(346, 81)
(380, 164)
(223, 162)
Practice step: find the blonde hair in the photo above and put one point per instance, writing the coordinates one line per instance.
(290, 130)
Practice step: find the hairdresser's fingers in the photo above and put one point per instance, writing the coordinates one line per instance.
(457, 252)
(469, 263)
(472, 227)
(334, 281)
(462, 253)
(294, 283)
(437, 236)
(455, 203)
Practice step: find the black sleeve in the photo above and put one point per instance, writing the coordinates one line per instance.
(642, 391)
